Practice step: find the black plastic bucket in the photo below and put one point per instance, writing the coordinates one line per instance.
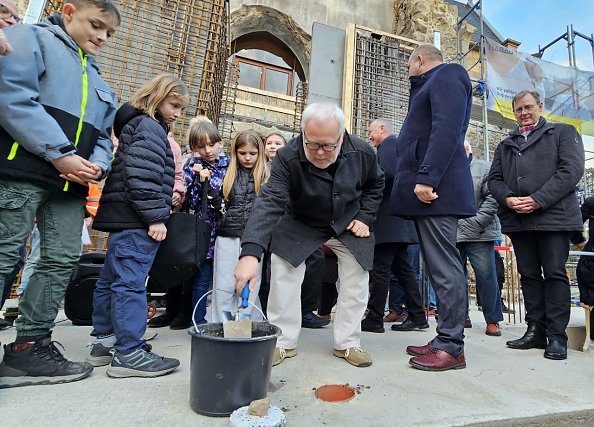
(225, 373)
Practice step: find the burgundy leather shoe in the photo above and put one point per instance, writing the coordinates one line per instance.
(420, 350)
(438, 360)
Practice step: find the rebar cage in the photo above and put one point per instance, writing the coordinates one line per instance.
(378, 85)
(187, 38)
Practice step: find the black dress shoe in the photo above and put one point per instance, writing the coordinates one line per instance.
(556, 350)
(311, 321)
(161, 321)
(409, 325)
(180, 322)
(369, 325)
(533, 338)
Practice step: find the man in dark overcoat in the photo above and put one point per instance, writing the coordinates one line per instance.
(325, 187)
(392, 237)
(433, 185)
(533, 177)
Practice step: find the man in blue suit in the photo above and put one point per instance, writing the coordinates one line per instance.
(433, 186)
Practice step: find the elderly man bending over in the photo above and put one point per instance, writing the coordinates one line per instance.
(325, 187)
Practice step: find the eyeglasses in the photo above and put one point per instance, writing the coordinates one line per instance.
(314, 146)
(4, 10)
(529, 108)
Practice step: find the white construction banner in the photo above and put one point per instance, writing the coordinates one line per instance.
(567, 93)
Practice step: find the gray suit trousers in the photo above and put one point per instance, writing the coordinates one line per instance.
(437, 235)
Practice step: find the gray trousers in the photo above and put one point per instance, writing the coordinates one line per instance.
(437, 235)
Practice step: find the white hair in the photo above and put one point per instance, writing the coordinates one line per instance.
(385, 123)
(323, 111)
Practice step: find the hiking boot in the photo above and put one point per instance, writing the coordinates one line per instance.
(355, 356)
(281, 354)
(101, 355)
(140, 363)
(39, 363)
(161, 321)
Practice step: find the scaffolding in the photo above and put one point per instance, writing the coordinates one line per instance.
(300, 103)
(376, 78)
(226, 128)
(187, 38)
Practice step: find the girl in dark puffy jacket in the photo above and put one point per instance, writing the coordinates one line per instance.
(242, 183)
(134, 208)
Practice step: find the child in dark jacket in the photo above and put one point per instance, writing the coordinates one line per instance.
(245, 177)
(134, 209)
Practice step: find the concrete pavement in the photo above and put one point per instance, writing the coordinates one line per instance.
(499, 387)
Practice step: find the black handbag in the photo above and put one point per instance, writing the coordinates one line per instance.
(185, 247)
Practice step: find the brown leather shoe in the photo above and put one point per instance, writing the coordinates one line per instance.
(420, 350)
(493, 330)
(392, 317)
(438, 360)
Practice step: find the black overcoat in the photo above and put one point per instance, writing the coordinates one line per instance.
(301, 206)
(548, 166)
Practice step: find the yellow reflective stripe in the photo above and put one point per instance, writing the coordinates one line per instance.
(13, 151)
(85, 95)
(83, 103)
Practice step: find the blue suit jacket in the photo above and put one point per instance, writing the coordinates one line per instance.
(430, 147)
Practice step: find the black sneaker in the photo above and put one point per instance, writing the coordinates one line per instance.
(140, 363)
(4, 324)
(40, 364)
(101, 355)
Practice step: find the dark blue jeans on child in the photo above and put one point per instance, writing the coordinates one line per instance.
(119, 300)
(202, 282)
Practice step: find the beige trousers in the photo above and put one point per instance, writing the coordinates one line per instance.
(284, 301)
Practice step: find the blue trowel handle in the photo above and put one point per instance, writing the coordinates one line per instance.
(245, 295)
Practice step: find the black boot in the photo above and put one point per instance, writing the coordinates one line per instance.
(556, 350)
(533, 338)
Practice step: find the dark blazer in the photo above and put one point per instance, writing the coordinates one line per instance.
(301, 206)
(390, 228)
(430, 147)
(548, 166)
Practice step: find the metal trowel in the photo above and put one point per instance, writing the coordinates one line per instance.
(238, 325)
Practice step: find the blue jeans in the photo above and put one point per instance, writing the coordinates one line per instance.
(119, 300)
(201, 284)
(482, 259)
(413, 253)
(397, 296)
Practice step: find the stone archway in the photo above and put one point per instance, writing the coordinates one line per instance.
(261, 27)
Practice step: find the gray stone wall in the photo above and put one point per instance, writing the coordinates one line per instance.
(376, 14)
